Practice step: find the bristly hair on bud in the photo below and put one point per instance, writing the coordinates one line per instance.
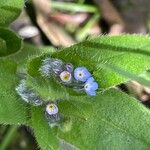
(51, 66)
(69, 67)
(46, 69)
(28, 95)
(52, 114)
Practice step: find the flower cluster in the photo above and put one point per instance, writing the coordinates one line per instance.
(79, 78)
(90, 85)
(30, 96)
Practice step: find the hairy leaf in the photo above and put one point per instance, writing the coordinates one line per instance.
(129, 52)
(111, 120)
(116, 121)
(12, 109)
(97, 55)
(47, 137)
(10, 10)
(141, 79)
(43, 133)
(9, 42)
(47, 88)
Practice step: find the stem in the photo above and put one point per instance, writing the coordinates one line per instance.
(3, 129)
(8, 137)
(83, 32)
(73, 7)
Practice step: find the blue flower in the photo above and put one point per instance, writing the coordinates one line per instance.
(52, 114)
(81, 74)
(91, 86)
(51, 109)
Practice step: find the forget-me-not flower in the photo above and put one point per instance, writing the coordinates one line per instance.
(51, 109)
(52, 114)
(91, 86)
(81, 74)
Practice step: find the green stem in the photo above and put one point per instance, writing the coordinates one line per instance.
(3, 129)
(8, 138)
(73, 7)
(83, 32)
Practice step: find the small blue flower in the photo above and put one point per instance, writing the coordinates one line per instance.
(81, 74)
(91, 86)
(51, 109)
(52, 114)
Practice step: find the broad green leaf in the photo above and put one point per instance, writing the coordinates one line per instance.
(9, 42)
(43, 133)
(97, 55)
(12, 109)
(10, 10)
(45, 136)
(142, 79)
(129, 52)
(116, 121)
(47, 88)
(111, 120)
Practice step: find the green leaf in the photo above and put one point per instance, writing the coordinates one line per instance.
(141, 79)
(12, 109)
(97, 55)
(9, 42)
(47, 137)
(47, 88)
(10, 10)
(43, 133)
(115, 121)
(112, 119)
(129, 52)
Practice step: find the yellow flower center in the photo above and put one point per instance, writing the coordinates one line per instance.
(51, 106)
(65, 76)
